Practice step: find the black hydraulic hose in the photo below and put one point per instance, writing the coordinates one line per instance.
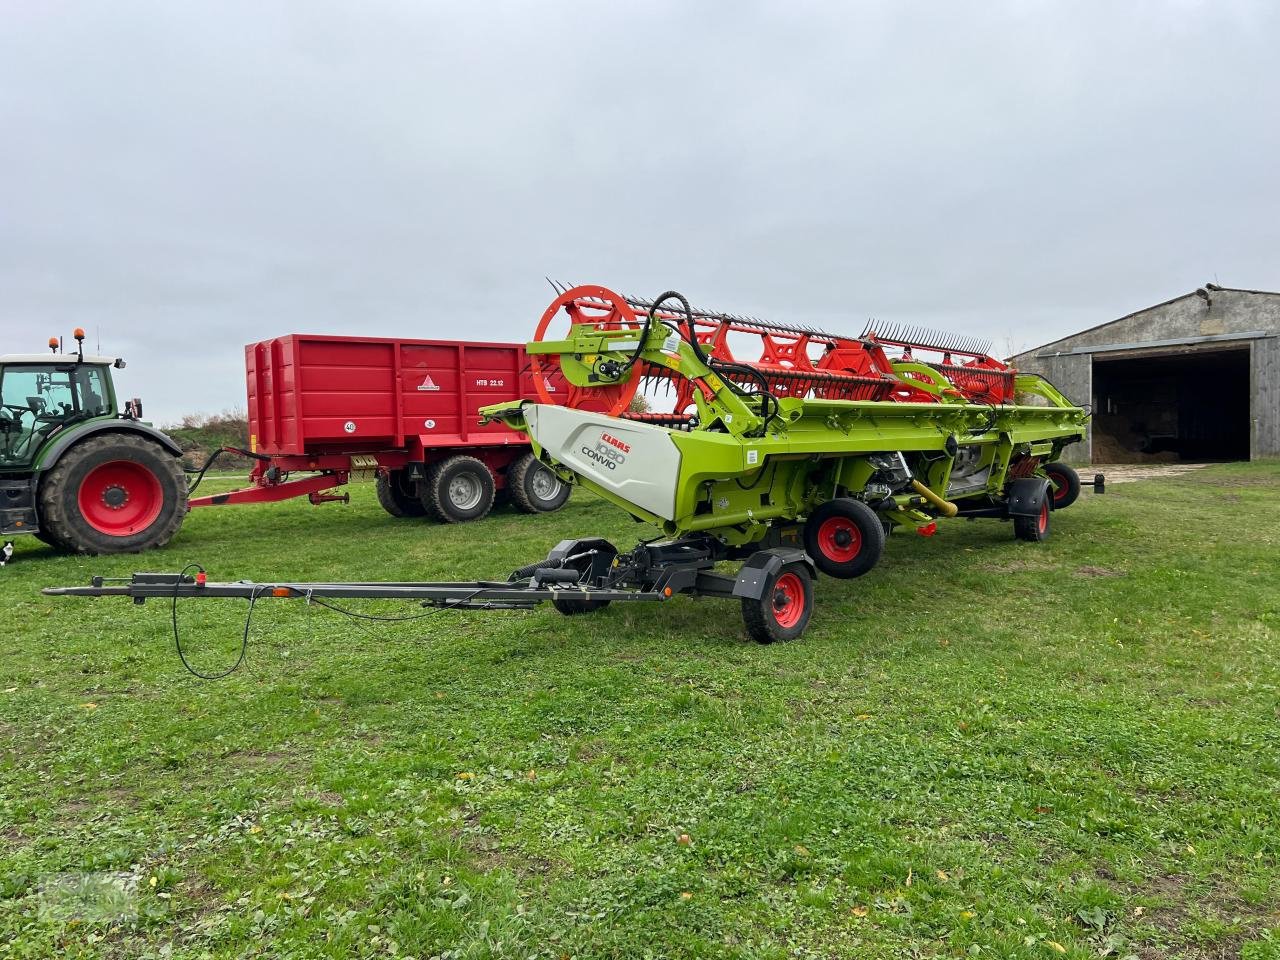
(767, 399)
(213, 457)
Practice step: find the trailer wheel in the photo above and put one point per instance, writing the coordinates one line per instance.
(1066, 484)
(1034, 528)
(571, 608)
(534, 488)
(844, 537)
(113, 493)
(397, 496)
(783, 610)
(458, 489)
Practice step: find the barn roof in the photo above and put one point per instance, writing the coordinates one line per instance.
(1208, 288)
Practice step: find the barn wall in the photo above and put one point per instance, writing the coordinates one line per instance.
(1073, 375)
(1265, 411)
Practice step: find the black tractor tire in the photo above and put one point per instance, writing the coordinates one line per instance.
(783, 610)
(113, 493)
(397, 495)
(572, 608)
(1034, 529)
(457, 490)
(534, 488)
(844, 537)
(1065, 483)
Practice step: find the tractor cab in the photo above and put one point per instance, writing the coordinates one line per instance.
(42, 395)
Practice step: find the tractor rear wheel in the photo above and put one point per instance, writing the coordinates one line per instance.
(457, 490)
(1065, 483)
(1034, 528)
(844, 537)
(783, 609)
(113, 493)
(397, 495)
(534, 488)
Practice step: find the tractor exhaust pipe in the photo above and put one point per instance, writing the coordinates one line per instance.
(945, 507)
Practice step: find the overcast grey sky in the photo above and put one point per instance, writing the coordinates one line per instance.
(189, 177)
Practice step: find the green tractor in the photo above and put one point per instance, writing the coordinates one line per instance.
(77, 469)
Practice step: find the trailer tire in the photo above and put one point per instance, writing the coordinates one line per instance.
(572, 608)
(397, 497)
(1035, 528)
(844, 537)
(534, 488)
(113, 493)
(1065, 483)
(782, 611)
(458, 489)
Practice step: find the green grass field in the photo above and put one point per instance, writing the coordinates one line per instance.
(984, 747)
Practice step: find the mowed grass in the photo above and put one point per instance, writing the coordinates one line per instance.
(984, 747)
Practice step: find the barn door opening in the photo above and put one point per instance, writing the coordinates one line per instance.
(1189, 406)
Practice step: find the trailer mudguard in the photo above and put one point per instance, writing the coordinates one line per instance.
(762, 565)
(68, 438)
(1026, 496)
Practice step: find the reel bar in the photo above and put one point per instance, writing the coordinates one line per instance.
(941, 341)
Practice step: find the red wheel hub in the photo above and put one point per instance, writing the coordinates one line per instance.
(788, 600)
(120, 498)
(1059, 487)
(607, 311)
(839, 539)
(1043, 523)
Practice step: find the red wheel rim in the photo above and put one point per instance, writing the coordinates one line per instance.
(1059, 486)
(608, 311)
(120, 498)
(1044, 517)
(788, 600)
(839, 539)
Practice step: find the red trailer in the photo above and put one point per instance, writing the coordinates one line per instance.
(405, 411)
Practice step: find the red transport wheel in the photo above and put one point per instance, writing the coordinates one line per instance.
(844, 537)
(1034, 528)
(1066, 484)
(788, 600)
(782, 610)
(120, 498)
(607, 311)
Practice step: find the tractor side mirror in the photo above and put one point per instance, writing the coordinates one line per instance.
(133, 409)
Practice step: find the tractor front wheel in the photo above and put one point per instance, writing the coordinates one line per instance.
(1065, 483)
(844, 537)
(397, 494)
(457, 490)
(783, 609)
(113, 493)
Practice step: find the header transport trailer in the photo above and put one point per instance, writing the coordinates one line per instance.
(795, 461)
(403, 411)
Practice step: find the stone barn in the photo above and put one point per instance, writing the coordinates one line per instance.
(1194, 378)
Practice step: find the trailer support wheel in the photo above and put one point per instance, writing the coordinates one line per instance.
(1065, 483)
(783, 609)
(458, 489)
(844, 537)
(571, 608)
(397, 496)
(1034, 528)
(534, 488)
